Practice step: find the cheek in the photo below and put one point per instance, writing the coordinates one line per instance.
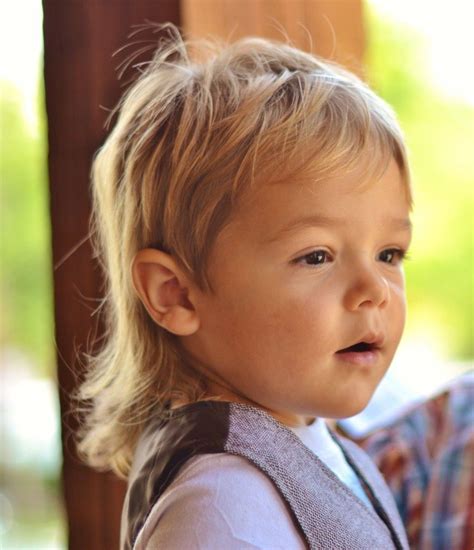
(398, 301)
(294, 323)
(396, 313)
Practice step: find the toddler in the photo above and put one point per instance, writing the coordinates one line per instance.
(251, 213)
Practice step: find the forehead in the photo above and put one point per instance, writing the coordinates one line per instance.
(348, 200)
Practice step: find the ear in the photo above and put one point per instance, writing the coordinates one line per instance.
(163, 290)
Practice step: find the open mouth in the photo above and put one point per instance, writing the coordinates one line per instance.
(359, 347)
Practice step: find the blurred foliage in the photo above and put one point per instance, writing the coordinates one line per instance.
(26, 276)
(440, 135)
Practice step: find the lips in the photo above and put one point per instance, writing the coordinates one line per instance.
(368, 342)
(359, 347)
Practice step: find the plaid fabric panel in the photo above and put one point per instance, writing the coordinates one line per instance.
(427, 459)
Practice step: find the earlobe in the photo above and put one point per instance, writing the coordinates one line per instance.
(163, 290)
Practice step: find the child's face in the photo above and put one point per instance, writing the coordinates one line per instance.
(282, 311)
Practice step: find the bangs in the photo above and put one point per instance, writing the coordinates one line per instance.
(319, 127)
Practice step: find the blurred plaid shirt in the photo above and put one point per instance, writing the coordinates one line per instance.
(427, 459)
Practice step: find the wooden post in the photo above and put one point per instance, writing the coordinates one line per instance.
(331, 28)
(81, 84)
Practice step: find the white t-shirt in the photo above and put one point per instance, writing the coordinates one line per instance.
(222, 501)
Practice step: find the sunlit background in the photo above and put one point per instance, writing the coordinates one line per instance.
(419, 58)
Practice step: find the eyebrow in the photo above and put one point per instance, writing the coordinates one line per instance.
(319, 220)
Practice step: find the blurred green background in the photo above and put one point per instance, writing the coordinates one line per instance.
(439, 130)
(438, 120)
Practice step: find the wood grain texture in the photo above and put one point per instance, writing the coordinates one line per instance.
(81, 87)
(331, 28)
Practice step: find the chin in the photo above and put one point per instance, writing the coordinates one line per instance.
(351, 408)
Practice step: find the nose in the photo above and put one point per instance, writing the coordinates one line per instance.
(367, 288)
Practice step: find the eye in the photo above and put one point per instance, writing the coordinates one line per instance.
(314, 258)
(394, 256)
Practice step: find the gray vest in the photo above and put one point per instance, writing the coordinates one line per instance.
(326, 512)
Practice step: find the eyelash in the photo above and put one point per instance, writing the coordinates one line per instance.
(398, 252)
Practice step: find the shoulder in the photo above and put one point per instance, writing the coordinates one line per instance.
(220, 500)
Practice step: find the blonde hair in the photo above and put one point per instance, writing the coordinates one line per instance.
(190, 138)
